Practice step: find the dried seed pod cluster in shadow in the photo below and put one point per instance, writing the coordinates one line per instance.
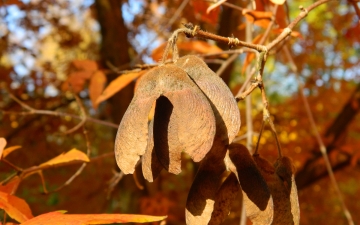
(196, 113)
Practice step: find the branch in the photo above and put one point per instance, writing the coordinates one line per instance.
(32, 111)
(318, 138)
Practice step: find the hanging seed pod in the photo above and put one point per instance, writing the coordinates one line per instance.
(201, 199)
(281, 182)
(256, 193)
(191, 113)
(223, 199)
(223, 102)
(151, 166)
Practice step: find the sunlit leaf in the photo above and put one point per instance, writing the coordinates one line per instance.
(215, 5)
(85, 64)
(96, 87)
(76, 81)
(278, 2)
(199, 47)
(15, 207)
(58, 218)
(72, 155)
(259, 18)
(117, 84)
(9, 150)
(2, 146)
(200, 8)
(11, 186)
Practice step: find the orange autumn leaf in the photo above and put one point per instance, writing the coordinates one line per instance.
(76, 80)
(15, 207)
(87, 65)
(2, 145)
(118, 84)
(9, 150)
(96, 87)
(11, 186)
(57, 218)
(72, 155)
(200, 8)
(197, 47)
(200, 47)
(259, 18)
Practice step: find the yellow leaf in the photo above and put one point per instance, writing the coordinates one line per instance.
(9, 150)
(96, 87)
(58, 218)
(15, 207)
(2, 145)
(72, 155)
(278, 2)
(201, 47)
(11, 186)
(118, 84)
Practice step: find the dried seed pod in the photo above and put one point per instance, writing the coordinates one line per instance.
(191, 113)
(219, 94)
(281, 182)
(256, 193)
(151, 167)
(223, 199)
(202, 194)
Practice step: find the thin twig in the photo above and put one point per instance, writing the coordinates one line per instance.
(113, 182)
(226, 64)
(287, 31)
(32, 111)
(11, 165)
(83, 116)
(318, 137)
(88, 149)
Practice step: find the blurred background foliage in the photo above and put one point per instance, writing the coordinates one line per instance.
(41, 40)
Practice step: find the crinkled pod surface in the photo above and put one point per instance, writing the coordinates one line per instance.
(222, 100)
(186, 123)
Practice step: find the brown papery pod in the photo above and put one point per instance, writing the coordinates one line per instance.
(151, 167)
(285, 170)
(256, 193)
(191, 113)
(223, 199)
(223, 101)
(280, 180)
(201, 199)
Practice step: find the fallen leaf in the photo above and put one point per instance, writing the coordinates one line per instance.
(2, 146)
(11, 186)
(15, 207)
(9, 150)
(96, 87)
(117, 84)
(58, 218)
(72, 155)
